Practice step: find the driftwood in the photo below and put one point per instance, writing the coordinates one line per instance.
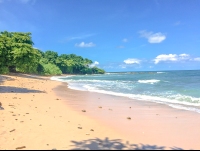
(21, 147)
(12, 130)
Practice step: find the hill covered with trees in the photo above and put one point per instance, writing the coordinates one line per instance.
(18, 54)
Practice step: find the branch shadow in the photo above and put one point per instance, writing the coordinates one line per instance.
(116, 144)
(7, 89)
(4, 78)
(30, 76)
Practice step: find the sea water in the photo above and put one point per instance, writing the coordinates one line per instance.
(178, 89)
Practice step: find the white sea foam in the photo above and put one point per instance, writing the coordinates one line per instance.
(185, 108)
(142, 97)
(59, 78)
(149, 81)
(161, 72)
(175, 101)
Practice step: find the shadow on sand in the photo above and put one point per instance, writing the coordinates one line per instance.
(30, 76)
(7, 89)
(4, 78)
(116, 144)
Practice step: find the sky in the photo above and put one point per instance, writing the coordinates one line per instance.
(117, 35)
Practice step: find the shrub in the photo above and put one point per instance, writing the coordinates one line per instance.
(4, 70)
(48, 69)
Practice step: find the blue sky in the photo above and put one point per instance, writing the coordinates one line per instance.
(118, 35)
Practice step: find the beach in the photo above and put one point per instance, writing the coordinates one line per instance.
(43, 114)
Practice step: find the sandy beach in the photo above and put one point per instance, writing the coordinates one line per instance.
(39, 113)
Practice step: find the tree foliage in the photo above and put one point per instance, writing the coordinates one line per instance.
(17, 54)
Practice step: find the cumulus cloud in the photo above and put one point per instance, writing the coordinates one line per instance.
(120, 47)
(132, 61)
(172, 58)
(83, 44)
(94, 64)
(152, 37)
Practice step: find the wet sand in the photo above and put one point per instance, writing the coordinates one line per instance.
(151, 123)
(43, 114)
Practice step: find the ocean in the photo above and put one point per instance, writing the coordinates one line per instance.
(178, 89)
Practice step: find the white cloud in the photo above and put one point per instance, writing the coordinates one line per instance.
(131, 61)
(172, 58)
(152, 38)
(197, 59)
(83, 44)
(156, 38)
(184, 55)
(120, 47)
(94, 64)
(125, 40)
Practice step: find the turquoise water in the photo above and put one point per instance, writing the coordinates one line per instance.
(178, 89)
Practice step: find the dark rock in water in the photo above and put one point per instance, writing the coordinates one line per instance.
(129, 118)
(79, 127)
(100, 107)
(0, 104)
(83, 110)
(91, 130)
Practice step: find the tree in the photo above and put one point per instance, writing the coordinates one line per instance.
(18, 53)
(18, 37)
(51, 56)
(5, 54)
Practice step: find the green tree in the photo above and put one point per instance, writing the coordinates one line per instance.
(17, 54)
(16, 48)
(5, 54)
(51, 56)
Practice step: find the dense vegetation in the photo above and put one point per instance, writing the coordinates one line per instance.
(17, 54)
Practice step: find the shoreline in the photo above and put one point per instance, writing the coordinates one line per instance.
(160, 117)
(36, 118)
(174, 104)
(111, 128)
